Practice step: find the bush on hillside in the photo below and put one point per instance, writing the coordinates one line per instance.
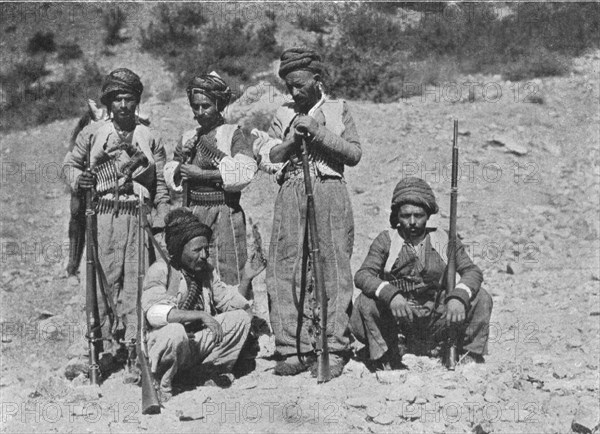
(29, 102)
(114, 20)
(41, 43)
(234, 49)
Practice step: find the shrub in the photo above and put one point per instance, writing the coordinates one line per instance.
(113, 20)
(29, 102)
(69, 51)
(194, 45)
(41, 43)
(314, 20)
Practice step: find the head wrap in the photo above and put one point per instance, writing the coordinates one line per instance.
(181, 226)
(212, 86)
(121, 80)
(414, 191)
(300, 58)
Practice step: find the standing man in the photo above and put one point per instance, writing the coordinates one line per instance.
(197, 323)
(402, 284)
(216, 161)
(126, 161)
(333, 143)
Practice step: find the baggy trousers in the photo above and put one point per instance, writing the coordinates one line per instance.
(284, 269)
(229, 239)
(171, 350)
(373, 324)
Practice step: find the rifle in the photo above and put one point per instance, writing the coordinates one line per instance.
(320, 307)
(94, 334)
(150, 401)
(452, 356)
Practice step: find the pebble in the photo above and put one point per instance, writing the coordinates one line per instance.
(384, 419)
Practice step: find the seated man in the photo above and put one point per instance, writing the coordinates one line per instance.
(196, 322)
(402, 283)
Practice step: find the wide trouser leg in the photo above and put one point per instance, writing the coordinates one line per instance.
(290, 319)
(169, 352)
(76, 233)
(118, 254)
(373, 325)
(229, 251)
(222, 356)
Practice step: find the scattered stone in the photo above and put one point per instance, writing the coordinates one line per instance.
(391, 377)
(509, 144)
(76, 366)
(373, 411)
(357, 402)
(190, 414)
(53, 388)
(90, 392)
(384, 419)
(513, 268)
(483, 428)
(80, 380)
(53, 328)
(420, 400)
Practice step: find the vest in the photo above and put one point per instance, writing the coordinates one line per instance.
(143, 177)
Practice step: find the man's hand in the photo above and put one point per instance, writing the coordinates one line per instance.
(214, 326)
(401, 308)
(455, 311)
(306, 125)
(191, 172)
(86, 181)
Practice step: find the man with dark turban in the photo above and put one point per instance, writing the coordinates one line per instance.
(198, 324)
(402, 284)
(216, 161)
(126, 163)
(329, 131)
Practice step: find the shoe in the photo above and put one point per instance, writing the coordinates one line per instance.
(336, 366)
(223, 380)
(469, 357)
(293, 366)
(390, 361)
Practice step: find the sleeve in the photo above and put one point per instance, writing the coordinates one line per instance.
(155, 304)
(161, 198)
(264, 142)
(227, 297)
(470, 276)
(367, 277)
(345, 148)
(238, 170)
(75, 161)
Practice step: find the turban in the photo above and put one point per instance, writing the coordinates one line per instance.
(212, 86)
(294, 59)
(414, 191)
(121, 80)
(181, 226)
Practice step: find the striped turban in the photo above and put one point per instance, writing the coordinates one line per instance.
(300, 58)
(212, 86)
(121, 80)
(413, 191)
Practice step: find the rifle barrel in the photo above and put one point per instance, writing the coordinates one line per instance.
(451, 276)
(323, 368)
(91, 302)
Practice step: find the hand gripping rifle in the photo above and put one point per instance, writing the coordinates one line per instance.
(150, 401)
(94, 334)
(452, 356)
(320, 307)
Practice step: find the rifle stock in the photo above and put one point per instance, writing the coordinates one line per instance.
(452, 356)
(320, 307)
(150, 401)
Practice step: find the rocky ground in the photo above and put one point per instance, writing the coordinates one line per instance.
(528, 210)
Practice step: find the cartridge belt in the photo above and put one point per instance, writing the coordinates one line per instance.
(213, 198)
